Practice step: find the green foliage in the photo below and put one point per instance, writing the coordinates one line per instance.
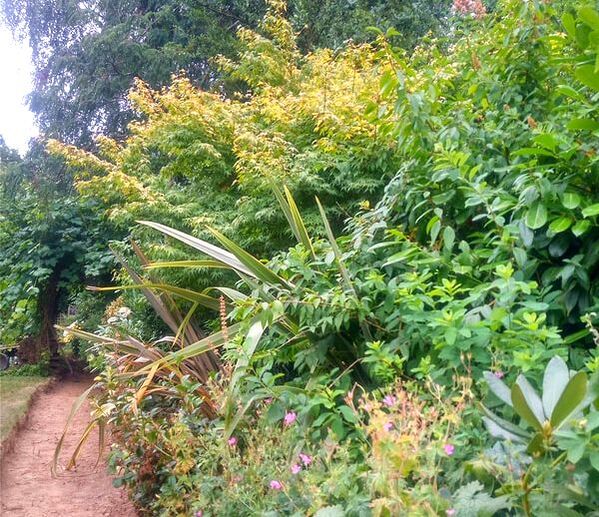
(233, 150)
(87, 54)
(565, 394)
(41, 369)
(473, 162)
(50, 242)
(504, 168)
(564, 443)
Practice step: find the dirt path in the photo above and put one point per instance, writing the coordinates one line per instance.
(27, 488)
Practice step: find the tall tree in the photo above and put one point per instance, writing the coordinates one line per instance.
(87, 54)
(50, 242)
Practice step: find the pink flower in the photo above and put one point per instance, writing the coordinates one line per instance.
(389, 400)
(295, 468)
(232, 441)
(290, 417)
(388, 426)
(449, 449)
(199, 513)
(306, 459)
(268, 400)
(276, 485)
(499, 374)
(450, 512)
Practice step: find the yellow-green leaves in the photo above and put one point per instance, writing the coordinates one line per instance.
(591, 210)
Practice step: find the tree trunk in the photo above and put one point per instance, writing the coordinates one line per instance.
(48, 306)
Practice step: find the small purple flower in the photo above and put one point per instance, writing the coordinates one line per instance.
(232, 441)
(449, 449)
(389, 400)
(388, 426)
(306, 459)
(450, 513)
(276, 485)
(296, 469)
(199, 513)
(499, 374)
(290, 417)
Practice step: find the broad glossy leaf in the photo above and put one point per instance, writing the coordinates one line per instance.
(527, 403)
(569, 24)
(583, 124)
(250, 344)
(498, 387)
(497, 431)
(561, 224)
(520, 256)
(505, 425)
(586, 75)
(589, 16)
(559, 245)
(591, 210)
(571, 200)
(571, 398)
(448, 238)
(581, 227)
(555, 380)
(536, 216)
(535, 446)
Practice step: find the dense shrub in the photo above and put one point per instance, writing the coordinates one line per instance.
(366, 352)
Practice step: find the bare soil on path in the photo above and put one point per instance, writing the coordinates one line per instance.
(27, 488)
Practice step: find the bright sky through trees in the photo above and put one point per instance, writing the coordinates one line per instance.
(17, 124)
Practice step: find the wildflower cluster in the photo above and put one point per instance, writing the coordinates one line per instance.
(410, 432)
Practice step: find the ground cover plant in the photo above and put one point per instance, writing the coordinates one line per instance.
(373, 275)
(15, 394)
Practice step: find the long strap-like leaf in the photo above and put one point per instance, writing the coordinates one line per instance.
(222, 256)
(188, 294)
(293, 216)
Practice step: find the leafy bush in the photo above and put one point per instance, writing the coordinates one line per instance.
(560, 469)
(41, 369)
(364, 351)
